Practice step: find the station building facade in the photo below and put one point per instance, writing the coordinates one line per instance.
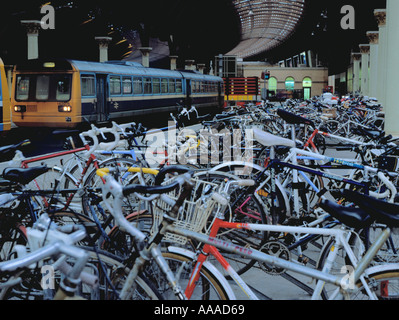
(287, 82)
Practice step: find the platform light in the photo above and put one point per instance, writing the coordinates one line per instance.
(64, 108)
(49, 65)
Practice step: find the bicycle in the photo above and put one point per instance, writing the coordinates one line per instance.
(167, 225)
(48, 243)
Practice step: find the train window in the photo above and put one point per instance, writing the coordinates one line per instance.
(179, 86)
(172, 86)
(147, 86)
(127, 85)
(137, 85)
(156, 85)
(164, 85)
(63, 91)
(88, 83)
(114, 85)
(23, 83)
(42, 87)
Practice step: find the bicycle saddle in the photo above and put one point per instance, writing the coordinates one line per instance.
(370, 133)
(269, 140)
(381, 211)
(23, 175)
(293, 118)
(352, 217)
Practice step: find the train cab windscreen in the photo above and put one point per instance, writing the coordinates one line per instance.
(43, 87)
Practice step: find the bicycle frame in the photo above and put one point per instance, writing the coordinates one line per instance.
(151, 248)
(212, 245)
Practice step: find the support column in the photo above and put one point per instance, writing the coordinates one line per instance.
(190, 64)
(373, 39)
(365, 51)
(103, 43)
(392, 71)
(331, 82)
(145, 51)
(310, 59)
(201, 67)
(173, 62)
(356, 72)
(32, 31)
(380, 15)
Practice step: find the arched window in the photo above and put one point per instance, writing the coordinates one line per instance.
(272, 84)
(290, 84)
(307, 82)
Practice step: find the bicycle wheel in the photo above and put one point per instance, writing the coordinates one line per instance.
(120, 243)
(341, 263)
(12, 233)
(53, 179)
(244, 207)
(208, 287)
(122, 175)
(334, 127)
(383, 281)
(111, 271)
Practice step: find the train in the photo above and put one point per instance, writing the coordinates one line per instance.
(67, 93)
(5, 114)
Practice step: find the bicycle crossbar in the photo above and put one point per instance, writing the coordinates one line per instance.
(258, 255)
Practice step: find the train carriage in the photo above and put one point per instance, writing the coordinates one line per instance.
(67, 93)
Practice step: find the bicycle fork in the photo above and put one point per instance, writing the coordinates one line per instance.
(154, 252)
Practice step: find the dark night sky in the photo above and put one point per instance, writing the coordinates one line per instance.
(200, 29)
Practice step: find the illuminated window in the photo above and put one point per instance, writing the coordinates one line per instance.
(307, 82)
(272, 84)
(290, 84)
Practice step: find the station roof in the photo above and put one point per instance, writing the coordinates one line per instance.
(265, 24)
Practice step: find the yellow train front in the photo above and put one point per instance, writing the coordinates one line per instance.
(5, 115)
(45, 94)
(66, 93)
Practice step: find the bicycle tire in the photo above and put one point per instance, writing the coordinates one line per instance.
(211, 286)
(246, 209)
(94, 181)
(208, 287)
(341, 260)
(384, 281)
(116, 270)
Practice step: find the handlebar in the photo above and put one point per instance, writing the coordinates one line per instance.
(92, 134)
(48, 240)
(115, 132)
(112, 188)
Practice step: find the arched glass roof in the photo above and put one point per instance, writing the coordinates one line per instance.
(265, 24)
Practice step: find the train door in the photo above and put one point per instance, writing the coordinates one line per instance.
(188, 93)
(102, 97)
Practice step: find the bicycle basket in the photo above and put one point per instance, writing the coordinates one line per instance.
(194, 213)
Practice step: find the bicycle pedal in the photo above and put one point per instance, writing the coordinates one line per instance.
(303, 260)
